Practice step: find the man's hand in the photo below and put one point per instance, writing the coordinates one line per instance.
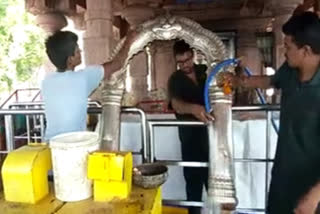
(229, 79)
(307, 205)
(200, 113)
(119, 59)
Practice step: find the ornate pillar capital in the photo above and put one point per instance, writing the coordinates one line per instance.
(98, 37)
(78, 20)
(42, 6)
(51, 22)
(283, 7)
(137, 14)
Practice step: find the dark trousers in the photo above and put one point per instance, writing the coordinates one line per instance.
(194, 147)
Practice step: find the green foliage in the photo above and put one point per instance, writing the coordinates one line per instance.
(21, 44)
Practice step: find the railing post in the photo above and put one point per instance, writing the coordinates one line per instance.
(268, 141)
(9, 132)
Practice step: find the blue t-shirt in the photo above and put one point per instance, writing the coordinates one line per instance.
(65, 95)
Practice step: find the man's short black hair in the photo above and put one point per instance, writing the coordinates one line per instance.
(305, 30)
(180, 47)
(60, 46)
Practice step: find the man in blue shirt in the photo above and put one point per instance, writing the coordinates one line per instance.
(65, 92)
(295, 184)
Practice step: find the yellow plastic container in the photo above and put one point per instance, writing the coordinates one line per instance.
(106, 191)
(98, 167)
(111, 173)
(174, 210)
(24, 173)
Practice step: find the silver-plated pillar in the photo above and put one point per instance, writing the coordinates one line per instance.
(111, 108)
(9, 132)
(150, 68)
(221, 171)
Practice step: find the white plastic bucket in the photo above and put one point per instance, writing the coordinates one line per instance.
(69, 159)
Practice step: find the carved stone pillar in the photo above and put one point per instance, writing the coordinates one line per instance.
(79, 21)
(165, 63)
(139, 74)
(137, 14)
(98, 38)
(283, 11)
(279, 46)
(247, 46)
(142, 68)
(50, 22)
(98, 43)
(317, 6)
(41, 6)
(282, 7)
(151, 67)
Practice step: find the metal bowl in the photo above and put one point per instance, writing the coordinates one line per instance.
(150, 175)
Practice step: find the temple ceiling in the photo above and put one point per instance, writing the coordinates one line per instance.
(200, 10)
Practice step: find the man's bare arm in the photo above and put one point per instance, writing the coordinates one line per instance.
(262, 82)
(196, 110)
(181, 107)
(119, 59)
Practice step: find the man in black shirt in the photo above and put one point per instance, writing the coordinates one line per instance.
(295, 184)
(186, 89)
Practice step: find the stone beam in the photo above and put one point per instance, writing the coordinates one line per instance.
(51, 22)
(98, 38)
(137, 14)
(37, 7)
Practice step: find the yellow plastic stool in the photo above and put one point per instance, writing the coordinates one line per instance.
(24, 173)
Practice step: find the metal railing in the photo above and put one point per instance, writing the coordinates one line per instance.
(9, 129)
(174, 123)
(148, 143)
(15, 95)
(36, 121)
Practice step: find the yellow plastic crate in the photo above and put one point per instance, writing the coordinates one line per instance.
(98, 167)
(24, 173)
(111, 173)
(117, 167)
(106, 191)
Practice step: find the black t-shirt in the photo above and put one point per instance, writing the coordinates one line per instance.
(297, 162)
(183, 88)
(194, 140)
